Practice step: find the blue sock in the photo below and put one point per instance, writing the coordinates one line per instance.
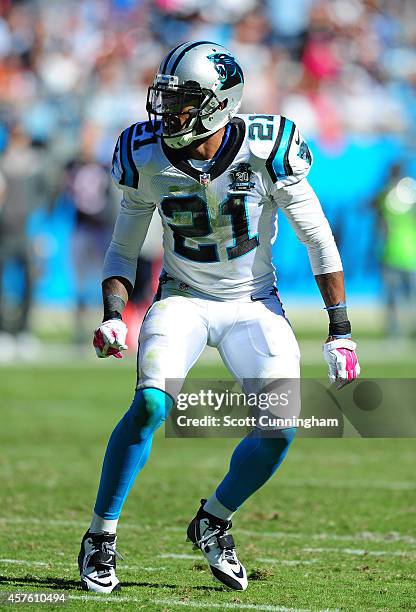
(129, 448)
(253, 462)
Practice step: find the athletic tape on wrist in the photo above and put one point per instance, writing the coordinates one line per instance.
(339, 324)
(113, 307)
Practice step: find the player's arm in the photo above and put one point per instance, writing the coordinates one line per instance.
(302, 208)
(339, 349)
(287, 166)
(120, 263)
(332, 288)
(119, 273)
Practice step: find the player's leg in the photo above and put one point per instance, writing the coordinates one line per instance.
(172, 337)
(270, 351)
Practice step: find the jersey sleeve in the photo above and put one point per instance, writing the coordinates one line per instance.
(124, 171)
(130, 231)
(290, 159)
(303, 210)
(135, 214)
(285, 166)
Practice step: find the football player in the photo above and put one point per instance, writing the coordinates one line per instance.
(217, 180)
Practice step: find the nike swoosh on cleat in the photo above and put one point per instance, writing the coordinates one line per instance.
(103, 584)
(239, 574)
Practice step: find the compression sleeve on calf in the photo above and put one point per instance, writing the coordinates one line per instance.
(303, 210)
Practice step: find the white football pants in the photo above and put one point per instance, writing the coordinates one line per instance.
(254, 338)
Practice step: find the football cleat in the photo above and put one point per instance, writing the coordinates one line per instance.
(97, 563)
(210, 534)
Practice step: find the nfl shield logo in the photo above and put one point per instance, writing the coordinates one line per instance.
(204, 179)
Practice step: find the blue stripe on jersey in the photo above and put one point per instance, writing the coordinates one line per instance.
(130, 176)
(280, 163)
(222, 146)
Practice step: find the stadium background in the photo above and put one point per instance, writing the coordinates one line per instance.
(74, 74)
(335, 526)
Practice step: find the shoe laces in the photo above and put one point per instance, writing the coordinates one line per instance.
(230, 555)
(213, 531)
(103, 546)
(109, 548)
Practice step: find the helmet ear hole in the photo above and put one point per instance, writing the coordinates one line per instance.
(223, 104)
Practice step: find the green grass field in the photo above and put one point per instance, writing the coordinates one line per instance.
(333, 530)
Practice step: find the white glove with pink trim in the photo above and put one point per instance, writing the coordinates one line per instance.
(110, 339)
(343, 366)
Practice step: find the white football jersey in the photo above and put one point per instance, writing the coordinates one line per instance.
(219, 218)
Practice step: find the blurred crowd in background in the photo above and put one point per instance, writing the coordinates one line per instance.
(74, 73)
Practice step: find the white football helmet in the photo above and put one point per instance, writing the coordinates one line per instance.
(197, 89)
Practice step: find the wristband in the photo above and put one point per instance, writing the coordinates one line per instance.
(339, 325)
(113, 307)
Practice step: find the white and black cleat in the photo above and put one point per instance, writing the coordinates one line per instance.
(97, 563)
(210, 535)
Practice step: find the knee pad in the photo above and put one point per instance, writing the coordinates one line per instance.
(149, 409)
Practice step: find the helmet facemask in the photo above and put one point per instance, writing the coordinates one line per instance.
(180, 108)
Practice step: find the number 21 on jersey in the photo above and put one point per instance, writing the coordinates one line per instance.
(189, 217)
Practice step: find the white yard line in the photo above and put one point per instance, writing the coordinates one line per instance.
(74, 565)
(367, 536)
(180, 556)
(64, 523)
(286, 561)
(318, 550)
(406, 485)
(190, 604)
(26, 562)
(31, 520)
(233, 606)
(361, 552)
(147, 568)
(258, 560)
(144, 568)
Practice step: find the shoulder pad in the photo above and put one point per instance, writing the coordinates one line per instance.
(131, 152)
(278, 146)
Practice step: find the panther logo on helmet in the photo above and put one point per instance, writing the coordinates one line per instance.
(228, 69)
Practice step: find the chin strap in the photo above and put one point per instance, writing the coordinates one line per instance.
(179, 142)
